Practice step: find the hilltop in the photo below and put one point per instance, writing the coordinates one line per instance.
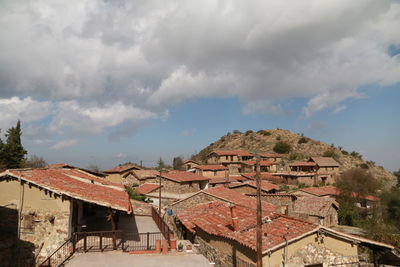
(302, 148)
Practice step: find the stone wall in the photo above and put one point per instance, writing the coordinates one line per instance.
(192, 201)
(179, 188)
(312, 254)
(141, 208)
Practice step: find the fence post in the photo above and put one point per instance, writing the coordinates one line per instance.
(148, 241)
(84, 242)
(73, 242)
(101, 241)
(122, 240)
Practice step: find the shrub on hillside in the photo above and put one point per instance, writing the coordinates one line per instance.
(282, 148)
(236, 132)
(248, 132)
(303, 140)
(264, 132)
(356, 155)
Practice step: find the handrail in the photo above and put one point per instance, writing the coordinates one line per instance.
(47, 261)
(162, 225)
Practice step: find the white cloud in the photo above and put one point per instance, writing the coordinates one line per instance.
(94, 65)
(64, 144)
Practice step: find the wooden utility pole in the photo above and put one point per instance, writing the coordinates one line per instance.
(159, 195)
(259, 215)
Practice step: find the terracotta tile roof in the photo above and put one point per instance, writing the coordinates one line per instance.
(232, 153)
(189, 160)
(325, 161)
(302, 163)
(123, 168)
(265, 186)
(238, 198)
(76, 184)
(143, 174)
(264, 176)
(331, 190)
(215, 167)
(216, 219)
(182, 176)
(146, 188)
(270, 155)
(317, 206)
(67, 166)
(262, 162)
(231, 179)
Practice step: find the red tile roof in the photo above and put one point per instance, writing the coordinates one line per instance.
(216, 219)
(122, 168)
(67, 166)
(262, 162)
(182, 176)
(264, 176)
(76, 184)
(238, 198)
(265, 186)
(270, 155)
(215, 167)
(302, 163)
(232, 153)
(146, 188)
(231, 179)
(331, 190)
(317, 206)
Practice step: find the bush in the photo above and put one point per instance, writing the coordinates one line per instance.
(134, 195)
(278, 138)
(356, 155)
(248, 132)
(364, 166)
(303, 140)
(330, 153)
(264, 132)
(236, 132)
(344, 152)
(294, 156)
(282, 148)
(135, 184)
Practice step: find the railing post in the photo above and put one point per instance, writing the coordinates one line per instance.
(122, 240)
(84, 242)
(148, 241)
(101, 241)
(73, 242)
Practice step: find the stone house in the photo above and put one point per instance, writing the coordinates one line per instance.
(331, 191)
(121, 174)
(189, 164)
(323, 211)
(230, 159)
(265, 166)
(250, 187)
(270, 156)
(180, 182)
(142, 176)
(227, 181)
(225, 234)
(214, 171)
(267, 176)
(53, 203)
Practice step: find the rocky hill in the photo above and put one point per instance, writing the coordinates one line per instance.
(302, 148)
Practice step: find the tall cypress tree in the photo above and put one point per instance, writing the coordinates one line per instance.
(13, 151)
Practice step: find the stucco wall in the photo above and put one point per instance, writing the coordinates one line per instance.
(45, 216)
(115, 178)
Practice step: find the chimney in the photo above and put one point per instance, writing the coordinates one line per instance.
(235, 220)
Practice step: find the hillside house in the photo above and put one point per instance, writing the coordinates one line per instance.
(250, 187)
(265, 166)
(230, 159)
(142, 176)
(267, 176)
(189, 164)
(227, 181)
(53, 203)
(225, 234)
(180, 182)
(121, 174)
(274, 157)
(214, 171)
(317, 210)
(368, 201)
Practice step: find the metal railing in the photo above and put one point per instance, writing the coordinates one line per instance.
(161, 224)
(102, 241)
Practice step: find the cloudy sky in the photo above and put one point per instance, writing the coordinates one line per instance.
(104, 82)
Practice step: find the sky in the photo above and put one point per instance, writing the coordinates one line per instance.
(105, 82)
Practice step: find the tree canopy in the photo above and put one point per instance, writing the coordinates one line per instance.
(12, 153)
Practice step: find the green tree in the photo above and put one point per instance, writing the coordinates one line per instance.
(13, 151)
(282, 147)
(177, 163)
(397, 174)
(160, 164)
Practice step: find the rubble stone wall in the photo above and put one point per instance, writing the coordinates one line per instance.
(175, 187)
